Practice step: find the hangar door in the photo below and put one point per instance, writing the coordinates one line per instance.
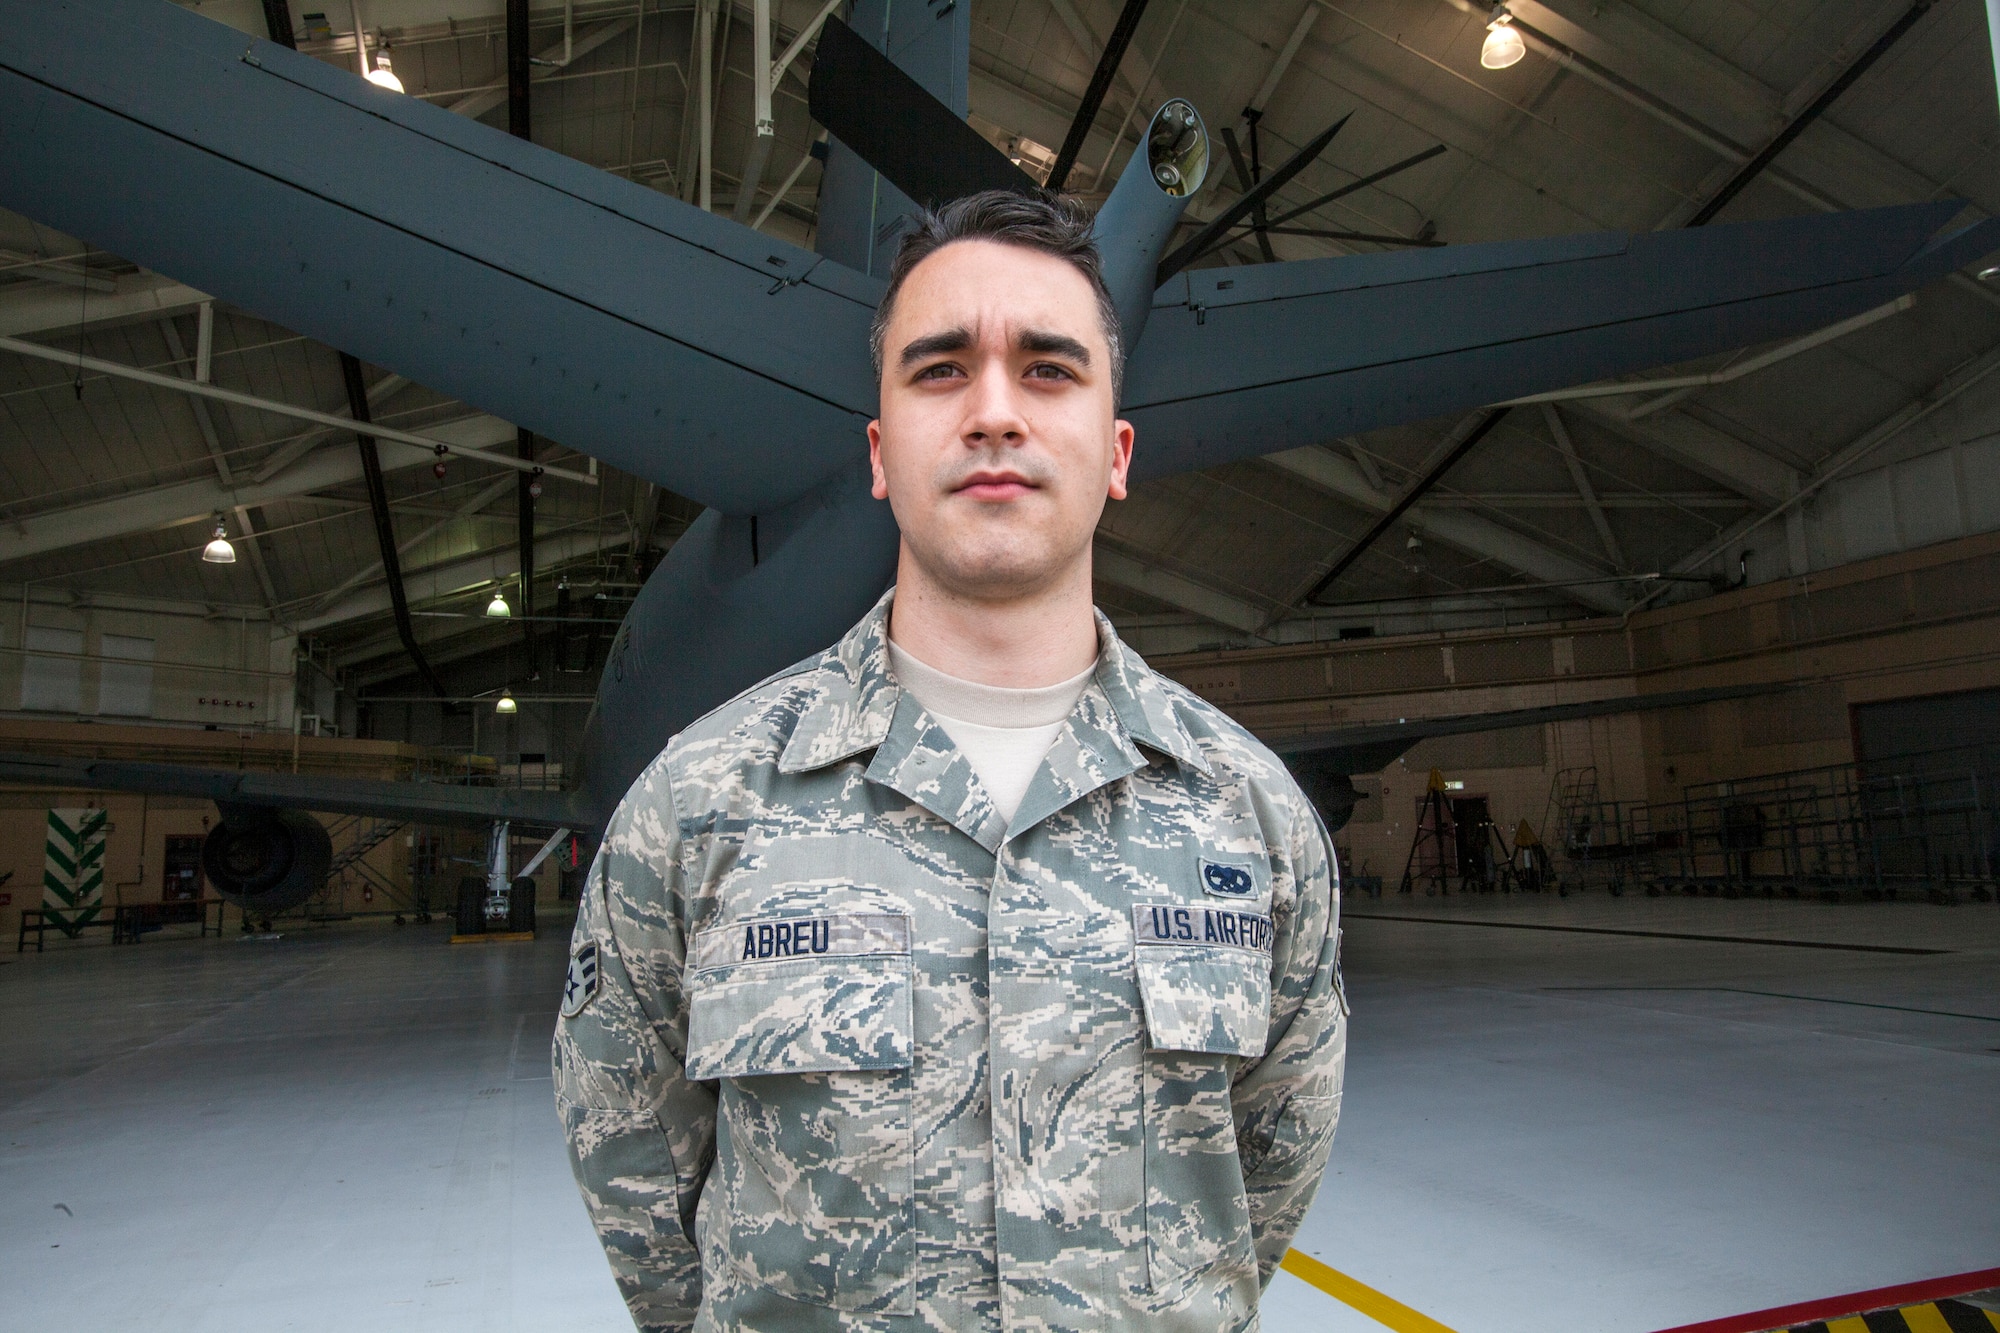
(1968, 723)
(1930, 775)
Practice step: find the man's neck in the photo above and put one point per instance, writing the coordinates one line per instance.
(1024, 642)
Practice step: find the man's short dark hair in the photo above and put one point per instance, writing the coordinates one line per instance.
(1054, 224)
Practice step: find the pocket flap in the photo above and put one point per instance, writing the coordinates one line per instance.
(800, 995)
(1204, 977)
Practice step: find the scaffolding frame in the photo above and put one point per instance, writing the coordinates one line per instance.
(1923, 825)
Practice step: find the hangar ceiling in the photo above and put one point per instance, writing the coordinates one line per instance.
(1629, 116)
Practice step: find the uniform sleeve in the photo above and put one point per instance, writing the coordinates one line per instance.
(1287, 1103)
(641, 1136)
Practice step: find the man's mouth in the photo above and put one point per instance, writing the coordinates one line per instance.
(994, 486)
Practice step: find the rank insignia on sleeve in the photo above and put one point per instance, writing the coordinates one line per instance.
(580, 986)
(1227, 881)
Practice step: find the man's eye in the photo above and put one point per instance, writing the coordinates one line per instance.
(942, 371)
(1043, 370)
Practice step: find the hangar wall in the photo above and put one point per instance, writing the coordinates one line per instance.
(128, 657)
(1908, 625)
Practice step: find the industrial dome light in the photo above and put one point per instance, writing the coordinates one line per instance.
(1504, 46)
(505, 703)
(219, 551)
(498, 606)
(384, 77)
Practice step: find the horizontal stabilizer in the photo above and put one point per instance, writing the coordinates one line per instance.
(424, 802)
(1245, 361)
(608, 317)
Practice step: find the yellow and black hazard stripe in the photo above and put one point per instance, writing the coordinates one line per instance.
(1926, 1317)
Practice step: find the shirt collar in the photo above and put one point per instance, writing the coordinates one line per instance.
(858, 698)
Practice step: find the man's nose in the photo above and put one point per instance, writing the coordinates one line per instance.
(993, 408)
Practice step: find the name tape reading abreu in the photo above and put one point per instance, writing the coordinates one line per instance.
(1167, 923)
(845, 935)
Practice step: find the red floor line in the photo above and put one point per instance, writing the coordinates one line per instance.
(1833, 1307)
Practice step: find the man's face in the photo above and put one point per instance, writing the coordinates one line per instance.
(996, 446)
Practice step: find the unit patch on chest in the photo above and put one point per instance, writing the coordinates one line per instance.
(1227, 881)
(580, 986)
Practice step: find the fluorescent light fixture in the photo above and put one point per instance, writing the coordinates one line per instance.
(505, 703)
(1503, 46)
(219, 551)
(1989, 273)
(1454, 785)
(498, 606)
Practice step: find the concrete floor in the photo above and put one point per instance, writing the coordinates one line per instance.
(351, 1127)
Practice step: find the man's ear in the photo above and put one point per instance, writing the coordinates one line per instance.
(880, 486)
(1122, 436)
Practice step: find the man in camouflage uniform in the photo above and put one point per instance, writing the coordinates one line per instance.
(845, 1046)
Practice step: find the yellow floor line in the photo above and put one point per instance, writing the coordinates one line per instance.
(1992, 1318)
(1852, 1324)
(1384, 1310)
(1925, 1319)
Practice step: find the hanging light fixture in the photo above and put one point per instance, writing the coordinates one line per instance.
(498, 606)
(382, 76)
(505, 703)
(219, 551)
(1504, 46)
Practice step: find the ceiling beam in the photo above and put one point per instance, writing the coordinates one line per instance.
(1588, 493)
(197, 501)
(287, 454)
(1959, 381)
(1088, 43)
(1126, 571)
(478, 501)
(1471, 533)
(184, 366)
(1447, 499)
(40, 308)
(478, 104)
(482, 568)
(1700, 448)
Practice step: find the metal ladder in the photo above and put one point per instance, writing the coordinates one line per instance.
(364, 833)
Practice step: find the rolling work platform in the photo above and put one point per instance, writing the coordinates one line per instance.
(1924, 826)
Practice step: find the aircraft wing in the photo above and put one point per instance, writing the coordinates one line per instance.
(676, 345)
(428, 802)
(1244, 361)
(1371, 746)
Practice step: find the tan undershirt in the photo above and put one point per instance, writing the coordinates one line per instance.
(1004, 733)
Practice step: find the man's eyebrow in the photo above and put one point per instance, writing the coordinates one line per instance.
(931, 344)
(1054, 344)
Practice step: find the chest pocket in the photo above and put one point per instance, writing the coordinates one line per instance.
(807, 1021)
(1205, 982)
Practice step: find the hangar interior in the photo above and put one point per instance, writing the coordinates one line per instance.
(1661, 1015)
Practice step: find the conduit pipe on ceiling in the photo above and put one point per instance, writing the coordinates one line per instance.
(1675, 388)
(520, 125)
(385, 528)
(94, 365)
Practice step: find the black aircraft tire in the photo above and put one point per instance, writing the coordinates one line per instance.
(472, 906)
(521, 906)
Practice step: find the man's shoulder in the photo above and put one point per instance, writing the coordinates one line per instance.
(1225, 743)
(757, 723)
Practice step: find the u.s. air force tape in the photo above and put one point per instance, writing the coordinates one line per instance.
(1170, 923)
(779, 939)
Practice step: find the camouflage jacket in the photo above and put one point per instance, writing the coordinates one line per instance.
(840, 1051)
